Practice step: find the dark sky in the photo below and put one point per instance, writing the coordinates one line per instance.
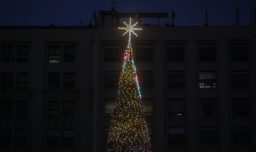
(70, 12)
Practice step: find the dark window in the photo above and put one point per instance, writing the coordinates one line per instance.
(208, 135)
(69, 53)
(7, 54)
(69, 109)
(239, 51)
(207, 80)
(20, 137)
(175, 52)
(69, 80)
(53, 137)
(54, 53)
(143, 53)
(111, 79)
(241, 107)
(6, 109)
(21, 109)
(23, 54)
(175, 79)
(207, 51)
(68, 137)
(176, 107)
(208, 107)
(7, 80)
(241, 135)
(176, 135)
(22, 80)
(113, 52)
(54, 80)
(54, 109)
(240, 79)
(5, 137)
(145, 79)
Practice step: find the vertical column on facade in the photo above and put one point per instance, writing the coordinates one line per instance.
(37, 101)
(252, 57)
(191, 95)
(159, 118)
(98, 101)
(223, 93)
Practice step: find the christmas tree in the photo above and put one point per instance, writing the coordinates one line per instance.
(128, 131)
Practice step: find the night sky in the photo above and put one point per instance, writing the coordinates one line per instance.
(70, 12)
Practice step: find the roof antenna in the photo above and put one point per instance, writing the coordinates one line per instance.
(237, 16)
(253, 22)
(113, 5)
(206, 17)
(173, 15)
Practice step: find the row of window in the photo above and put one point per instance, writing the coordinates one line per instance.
(10, 109)
(210, 135)
(55, 79)
(57, 109)
(20, 135)
(240, 108)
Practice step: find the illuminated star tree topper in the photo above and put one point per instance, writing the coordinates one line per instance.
(130, 28)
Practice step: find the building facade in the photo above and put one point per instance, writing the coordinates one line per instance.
(58, 85)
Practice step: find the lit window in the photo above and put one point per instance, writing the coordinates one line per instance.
(176, 135)
(21, 109)
(54, 109)
(69, 80)
(207, 80)
(208, 135)
(175, 51)
(54, 53)
(54, 80)
(69, 137)
(69, 53)
(208, 107)
(240, 79)
(7, 54)
(240, 107)
(53, 137)
(207, 51)
(175, 79)
(23, 54)
(239, 51)
(176, 108)
(20, 137)
(241, 135)
(7, 80)
(22, 80)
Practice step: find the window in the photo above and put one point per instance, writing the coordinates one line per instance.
(7, 80)
(5, 137)
(54, 80)
(240, 107)
(241, 135)
(207, 51)
(54, 109)
(111, 79)
(20, 137)
(113, 52)
(7, 54)
(239, 51)
(145, 79)
(176, 108)
(240, 79)
(69, 109)
(23, 53)
(143, 53)
(6, 109)
(22, 80)
(176, 135)
(53, 137)
(175, 79)
(69, 80)
(54, 53)
(69, 53)
(207, 80)
(208, 135)
(69, 137)
(208, 107)
(21, 109)
(175, 51)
